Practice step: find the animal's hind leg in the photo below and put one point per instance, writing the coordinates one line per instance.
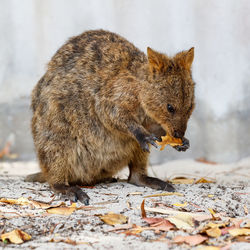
(138, 173)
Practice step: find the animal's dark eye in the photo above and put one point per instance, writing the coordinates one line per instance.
(170, 108)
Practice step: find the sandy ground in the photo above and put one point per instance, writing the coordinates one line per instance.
(229, 196)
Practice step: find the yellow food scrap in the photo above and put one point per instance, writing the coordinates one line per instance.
(169, 140)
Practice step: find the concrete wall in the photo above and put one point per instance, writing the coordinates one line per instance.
(32, 30)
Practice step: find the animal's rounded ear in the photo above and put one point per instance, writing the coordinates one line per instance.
(185, 58)
(156, 61)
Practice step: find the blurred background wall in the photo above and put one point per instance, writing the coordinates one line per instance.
(32, 31)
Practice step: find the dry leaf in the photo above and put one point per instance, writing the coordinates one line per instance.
(239, 231)
(68, 241)
(208, 248)
(213, 232)
(163, 194)
(19, 201)
(212, 213)
(203, 180)
(143, 212)
(180, 204)
(210, 195)
(113, 219)
(159, 224)
(24, 201)
(62, 210)
(16, 236)
(182, 221)
(204, 160)
(135, 230)
(169, 140)
(182, 180)
(245, 209)
(214, 225)
(192, 240)
(135, 193)
(242, 239)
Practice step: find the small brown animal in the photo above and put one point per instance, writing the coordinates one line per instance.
(99, 106)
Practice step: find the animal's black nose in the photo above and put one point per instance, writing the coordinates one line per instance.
(178, 134)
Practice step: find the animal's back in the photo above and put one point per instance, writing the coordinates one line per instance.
(66, 103)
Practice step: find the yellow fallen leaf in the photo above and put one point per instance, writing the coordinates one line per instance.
(24, 202)
(203, 180)
(210, 195)
(180, 204)
(113, 219)
(61, 210)
(169, 140)
(208, 248)
(239, 231)
(19, 201)
(68, 241)
(214, 225)
(16, 236)
(213, 232)
(163, 194)
(182, 221)
(212, 213)
(182, 180)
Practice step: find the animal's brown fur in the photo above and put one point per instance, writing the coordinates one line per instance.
(96, 107)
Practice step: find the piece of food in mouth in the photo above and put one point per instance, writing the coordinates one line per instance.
(169, 140)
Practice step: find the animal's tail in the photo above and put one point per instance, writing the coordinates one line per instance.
(35, 177)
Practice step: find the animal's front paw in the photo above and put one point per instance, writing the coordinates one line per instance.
(185, 145)
(73, 193)
(145, 140)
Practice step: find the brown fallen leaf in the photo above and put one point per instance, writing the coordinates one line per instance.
(192, 240)
(159, 224)
(169, 140)
(143, 212)
(214, 232)
(242, 239)
(182, 180)
(16, 236)
(239, 231)
(203, 180)
(113, 219)
(163, 194)
(204, 160)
